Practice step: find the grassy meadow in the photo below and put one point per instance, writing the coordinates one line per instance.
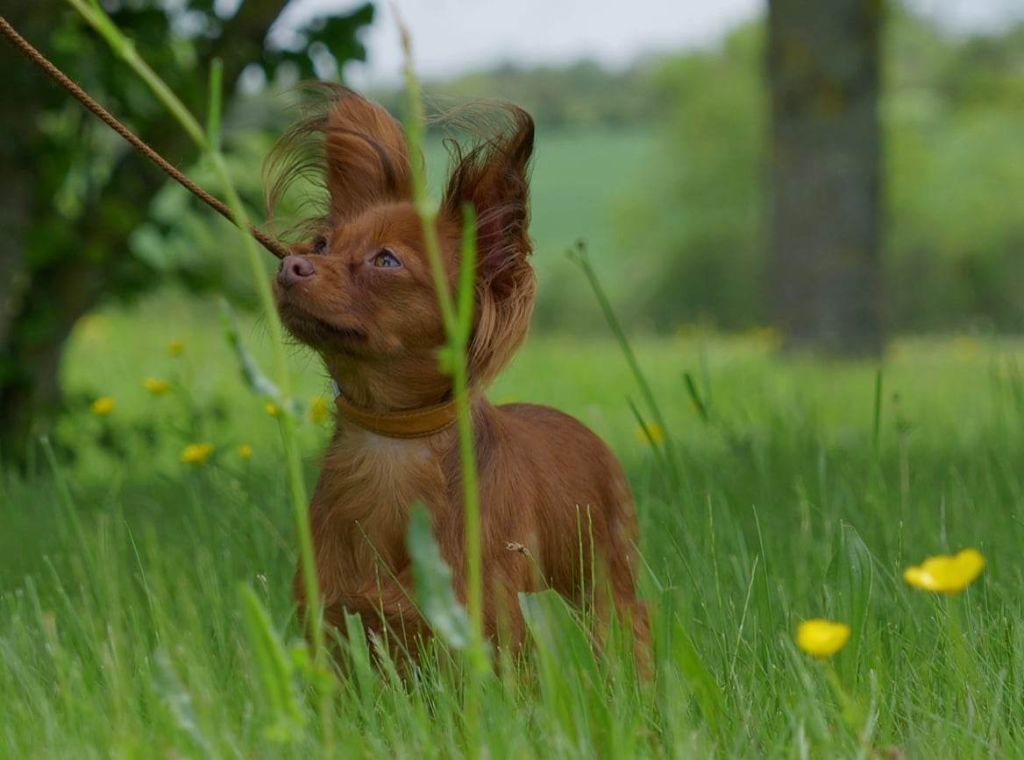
(127, 575)
(148, 548)
(123, 630)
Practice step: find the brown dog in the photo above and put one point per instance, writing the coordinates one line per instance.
(556, 509)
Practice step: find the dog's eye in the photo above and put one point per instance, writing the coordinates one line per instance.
(319, 244)
(386, 259)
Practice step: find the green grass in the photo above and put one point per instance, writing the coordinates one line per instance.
(123, 630)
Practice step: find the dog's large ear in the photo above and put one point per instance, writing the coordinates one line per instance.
(493, 177)
(367, 156)
(354, 148)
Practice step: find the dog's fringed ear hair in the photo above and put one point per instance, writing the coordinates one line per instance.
(367, 156)
(493, 177)
(355, 148)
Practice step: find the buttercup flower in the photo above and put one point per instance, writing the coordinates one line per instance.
(650, 433)
(271, 408)
(156, 386)
(822, 638)
(102, 406)
(245, 451)
(176, 347)
(318, 410)
(946, 574)
(197, 453)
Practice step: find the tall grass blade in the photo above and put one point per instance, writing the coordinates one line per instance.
(655, 444)
(579, 256)
(876, 435)
(213, 113)
(457, 315)
(850, 582)
(63, 489)
(695, 397)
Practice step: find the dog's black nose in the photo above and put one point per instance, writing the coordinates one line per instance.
(294, 269)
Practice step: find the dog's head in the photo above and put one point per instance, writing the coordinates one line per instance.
(359, 287)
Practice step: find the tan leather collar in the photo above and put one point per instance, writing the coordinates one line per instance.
(414, 423)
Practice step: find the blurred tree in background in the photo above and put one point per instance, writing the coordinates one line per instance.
(74, 195)
(954, 120)
(825, 203)
(952, 250)
(695, 223)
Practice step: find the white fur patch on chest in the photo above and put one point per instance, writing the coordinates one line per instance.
(366, 474)
(366, 490)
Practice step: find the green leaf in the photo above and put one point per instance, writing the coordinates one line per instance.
(571, 681)
(358, 648)
(683, 652)
(276, 670)
(554, 629)
(251, 372)
(179, 702)
(433, 580)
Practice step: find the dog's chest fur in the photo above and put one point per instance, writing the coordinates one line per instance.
(361, 507)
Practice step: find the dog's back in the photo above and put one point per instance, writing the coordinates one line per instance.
(551, 486)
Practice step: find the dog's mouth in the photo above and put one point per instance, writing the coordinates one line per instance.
(318, 332)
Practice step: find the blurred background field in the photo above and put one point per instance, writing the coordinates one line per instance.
(933, 385)
(938, 382)
(121, 630)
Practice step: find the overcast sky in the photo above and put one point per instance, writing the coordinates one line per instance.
(452, 36)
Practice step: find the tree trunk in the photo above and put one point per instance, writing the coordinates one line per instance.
(825, 208)
(54, 269)
(30, 392)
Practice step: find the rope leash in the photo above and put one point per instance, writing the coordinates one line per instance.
(25, 47)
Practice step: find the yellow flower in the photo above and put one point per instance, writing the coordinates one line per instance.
(318, 410)
(650, 432)
(822, 638)
(102, 406)
(156, 386)
(245, 451)
(946, 574)
(271, 408)
(197, 453)
(176, 347)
